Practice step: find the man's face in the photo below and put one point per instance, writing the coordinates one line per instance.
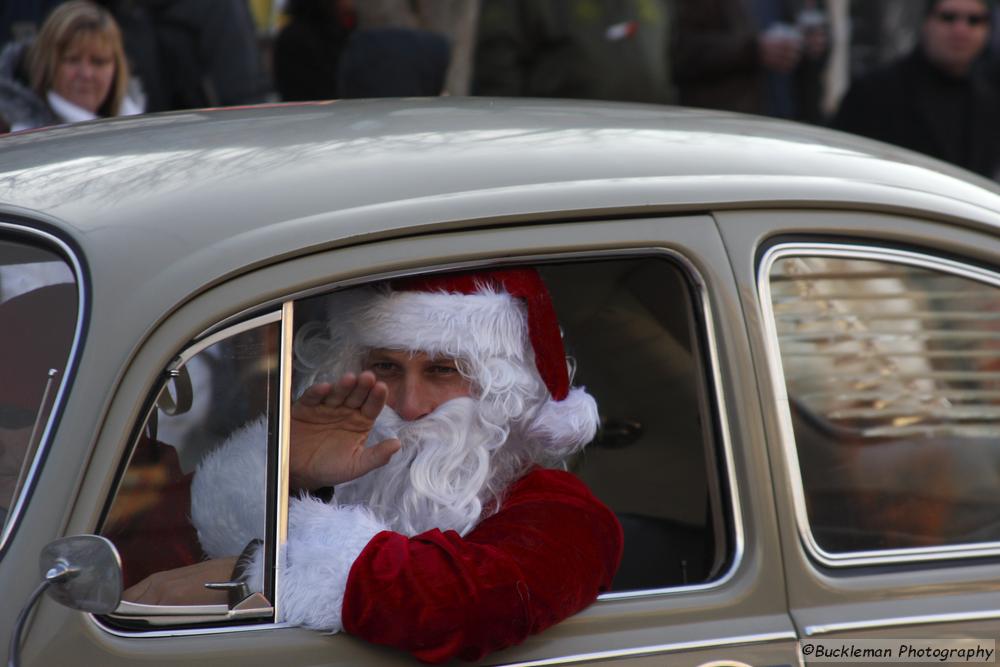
(417, 382)
(955, 33)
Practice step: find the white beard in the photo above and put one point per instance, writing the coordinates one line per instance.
(439, 479)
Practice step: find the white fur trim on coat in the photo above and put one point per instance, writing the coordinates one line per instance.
(228, 492)
(324, 540)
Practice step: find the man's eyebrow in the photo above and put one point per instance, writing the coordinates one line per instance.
(443, 360)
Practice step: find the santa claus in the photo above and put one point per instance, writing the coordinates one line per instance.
(440, 411)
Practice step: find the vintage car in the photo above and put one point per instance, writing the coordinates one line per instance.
(793, 336)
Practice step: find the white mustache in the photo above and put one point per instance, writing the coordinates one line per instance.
(388, 424)
(435, 479)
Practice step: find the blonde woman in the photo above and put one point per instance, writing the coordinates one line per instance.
(76, 70)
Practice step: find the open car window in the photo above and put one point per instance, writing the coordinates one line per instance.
(38, 318)
(891, 363)
(634, 331)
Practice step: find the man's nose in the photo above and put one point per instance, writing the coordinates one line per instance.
(412, 400)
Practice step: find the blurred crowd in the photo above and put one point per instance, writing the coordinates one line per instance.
(923, 74)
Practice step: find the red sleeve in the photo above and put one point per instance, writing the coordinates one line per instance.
(544, 556)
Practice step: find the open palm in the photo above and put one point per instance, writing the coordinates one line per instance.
(330, 424)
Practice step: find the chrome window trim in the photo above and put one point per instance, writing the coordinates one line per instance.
(13, 518)
(763, 638)
(182, 632)
(780, 395)
(899, 621)
(735, 507)
(284, 447)
(202, 344)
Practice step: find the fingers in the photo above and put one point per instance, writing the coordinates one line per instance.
(355, 391)
(315, 394)
(375, 401)
(378, 455)
(359, 394)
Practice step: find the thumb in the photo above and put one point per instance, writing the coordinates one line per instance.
(378, 455)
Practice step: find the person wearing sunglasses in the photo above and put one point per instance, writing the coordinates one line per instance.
(936, 100)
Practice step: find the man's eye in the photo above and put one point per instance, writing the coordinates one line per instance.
(382, 367)
(443, 370)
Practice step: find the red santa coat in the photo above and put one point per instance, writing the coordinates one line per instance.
(547, 554)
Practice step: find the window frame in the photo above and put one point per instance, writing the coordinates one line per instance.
(61, 248)
(705, 333)
(851, 250)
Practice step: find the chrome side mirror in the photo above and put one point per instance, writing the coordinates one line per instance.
(80, 572)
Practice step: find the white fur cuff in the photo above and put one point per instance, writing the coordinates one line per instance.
(324, 540)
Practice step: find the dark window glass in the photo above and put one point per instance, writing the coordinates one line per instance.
(38, 315)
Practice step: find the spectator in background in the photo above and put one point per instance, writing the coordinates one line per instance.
(193, 53)
(593, 49)
(754, 56)
(76, 71)
(934, 100)
(455, 20)
(307, 50)
(882, 32)
(393, 62)
(20, 19)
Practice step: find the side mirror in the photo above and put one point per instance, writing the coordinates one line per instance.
(80, 572)
(93, 580)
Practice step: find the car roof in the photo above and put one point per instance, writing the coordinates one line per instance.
(189, 198)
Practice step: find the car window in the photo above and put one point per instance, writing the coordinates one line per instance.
(634, 334)
(892, 373)
(38, 317)
(229, 388)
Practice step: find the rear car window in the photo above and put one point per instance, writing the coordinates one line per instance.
(892, 373)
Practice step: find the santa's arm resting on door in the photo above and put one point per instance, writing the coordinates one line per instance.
(442, 550)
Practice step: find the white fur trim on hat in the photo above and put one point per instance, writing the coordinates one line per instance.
(462, 326)
(567, 424)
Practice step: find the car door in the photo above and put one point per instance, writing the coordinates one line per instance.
(651, 314)
(878, 342)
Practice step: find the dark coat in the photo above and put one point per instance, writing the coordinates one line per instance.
(913, 104)
(20, 107)
(602, 49)
(717, 64)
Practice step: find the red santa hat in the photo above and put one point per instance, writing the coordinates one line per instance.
(491, 318)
